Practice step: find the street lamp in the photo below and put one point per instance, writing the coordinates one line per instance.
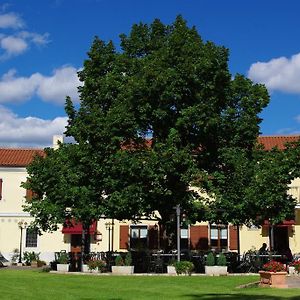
(177, 207)
(110, 226)
(22, 225)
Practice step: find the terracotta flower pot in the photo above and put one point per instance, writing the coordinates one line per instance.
(273, 279)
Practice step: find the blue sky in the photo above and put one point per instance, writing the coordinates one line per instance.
(44, 43)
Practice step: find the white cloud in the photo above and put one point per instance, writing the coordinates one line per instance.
(281, 74)
(13, 45)
(15, 42)
(28, 132)
(63, 82)
(11, 20)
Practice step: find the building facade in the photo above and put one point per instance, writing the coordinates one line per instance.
(114, 235)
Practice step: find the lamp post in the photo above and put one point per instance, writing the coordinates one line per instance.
(109, 227)
(22, 225)
(177, 207)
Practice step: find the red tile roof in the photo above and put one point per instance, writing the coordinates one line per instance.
(279, 141)
(23, 157)
(18, 157)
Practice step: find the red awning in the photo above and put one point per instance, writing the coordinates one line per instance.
(284, 223)
(73, 227)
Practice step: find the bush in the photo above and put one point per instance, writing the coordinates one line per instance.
(128, 259)
(119, 261)
(30, 256)
(15, 256)
(184, 267)
(40, 263)
(296, 265)
(221, 260)
(210, 260)
(63, 258)
(46, 269)
(96, 265)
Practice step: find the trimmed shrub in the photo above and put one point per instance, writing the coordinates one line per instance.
(210, 260)
(221, 260)
(119, 261)
(128, 259)
(184, 267)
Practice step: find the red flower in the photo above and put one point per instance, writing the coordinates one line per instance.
(296, 265)
(274, 266)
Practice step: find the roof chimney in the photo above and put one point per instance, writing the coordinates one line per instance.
(56, 140)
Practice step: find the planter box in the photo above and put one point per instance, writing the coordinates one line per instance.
(85, 268)
(216, 270)
(273, 279)
(34, 264)
(62, 267)
(122, 270)
(171, 270)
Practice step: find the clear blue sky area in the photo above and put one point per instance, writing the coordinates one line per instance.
(44, 43)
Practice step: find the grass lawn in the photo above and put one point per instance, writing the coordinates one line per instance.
(32, 284)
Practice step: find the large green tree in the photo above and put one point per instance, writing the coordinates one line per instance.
(158, 113)
(155, 117)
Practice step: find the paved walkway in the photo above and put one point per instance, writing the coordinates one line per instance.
(293, 281)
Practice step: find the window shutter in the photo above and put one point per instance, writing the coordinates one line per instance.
(199, 237)
(29, 195)
(124, 231)
(233, 238)
(1, 181)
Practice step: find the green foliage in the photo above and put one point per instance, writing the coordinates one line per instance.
(184, 267)
(30, 256)
(99, 265)
(128, 259)
(168, 84)
(210, 259)
(119, 261)
(221, 260)
(63, 258)
(15, 256)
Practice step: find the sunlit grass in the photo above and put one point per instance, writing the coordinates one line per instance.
(32, 284)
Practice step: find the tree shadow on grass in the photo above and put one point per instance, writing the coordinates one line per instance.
(240, 296)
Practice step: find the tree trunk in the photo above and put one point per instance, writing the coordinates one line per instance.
(85, 242)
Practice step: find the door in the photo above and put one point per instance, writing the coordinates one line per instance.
(281, 239)
(75, 252)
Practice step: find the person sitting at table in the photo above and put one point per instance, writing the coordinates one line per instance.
(288, 254)
(263, 249)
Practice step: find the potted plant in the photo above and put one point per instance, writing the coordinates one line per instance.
(184, 267)
(273, 275)
(216, 268)
(294, 267)
(96, 265)
(63, 262)
(123, 266)
(31, 258)
(171, 267)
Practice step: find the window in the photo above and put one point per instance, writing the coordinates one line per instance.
(31, 238)
(218, 237)
(138, 236)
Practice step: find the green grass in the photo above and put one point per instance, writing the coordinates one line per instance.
(32, 284)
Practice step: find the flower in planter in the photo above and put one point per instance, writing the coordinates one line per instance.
(296, 265)
(96, 264)
(274, 266)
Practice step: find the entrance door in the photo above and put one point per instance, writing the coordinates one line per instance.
(75, 252)
(281, 239)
